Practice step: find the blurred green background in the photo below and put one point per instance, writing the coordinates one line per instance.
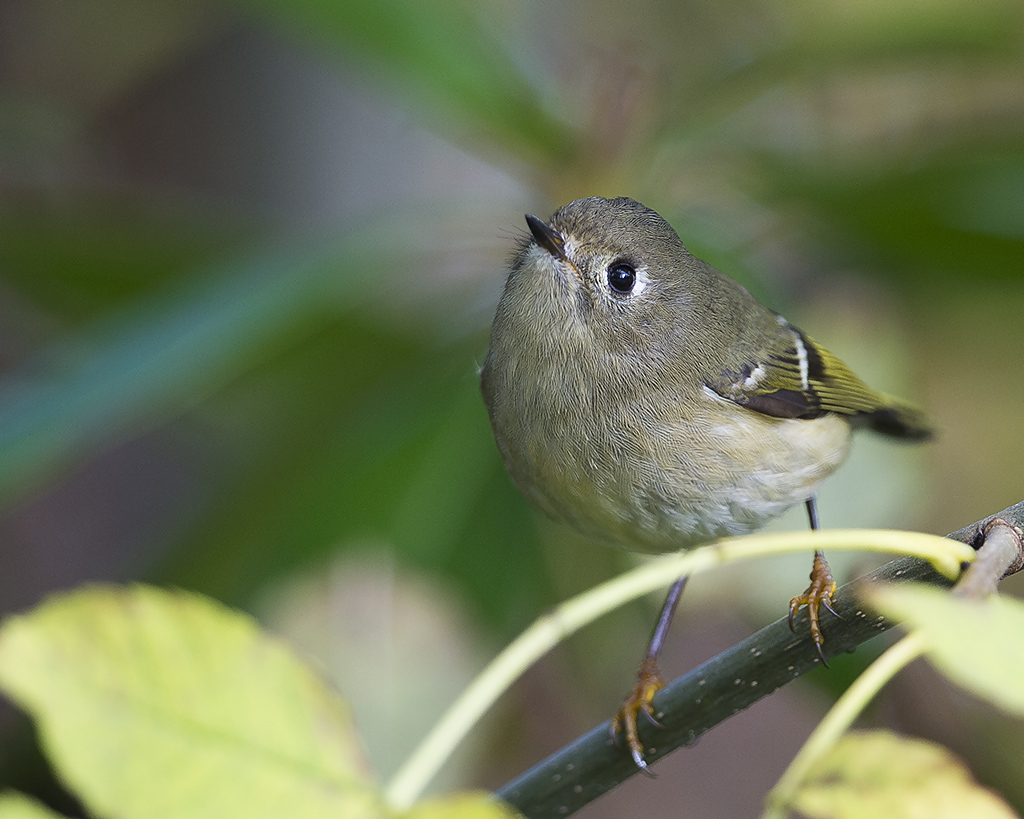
(249, 253)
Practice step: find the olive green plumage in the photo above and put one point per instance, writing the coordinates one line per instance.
(643, 397)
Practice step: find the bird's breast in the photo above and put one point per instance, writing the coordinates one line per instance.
(631, 465)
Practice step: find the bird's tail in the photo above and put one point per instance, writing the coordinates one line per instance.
(897, 420)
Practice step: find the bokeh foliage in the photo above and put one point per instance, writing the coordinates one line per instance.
(307, 379)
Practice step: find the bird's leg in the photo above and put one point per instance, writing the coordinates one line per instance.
(812, 512)
(819, 593)
(648, 680)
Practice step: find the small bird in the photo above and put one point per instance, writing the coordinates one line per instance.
(647, 400)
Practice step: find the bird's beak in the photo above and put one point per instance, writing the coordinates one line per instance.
(547, 237)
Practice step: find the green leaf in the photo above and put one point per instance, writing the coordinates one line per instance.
(98, 252)
(411, 462)
(952, 215)
(14, 805)
(973, 642)
(158, 358)
(875, 28)
(151, 359)
(877, 773)
(461, 806)
(153, 703)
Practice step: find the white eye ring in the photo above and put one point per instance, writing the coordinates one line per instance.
(625, 280)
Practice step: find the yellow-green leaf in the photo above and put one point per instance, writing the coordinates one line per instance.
(164, 704)
(877, 773)
(973, 642)
(463, 806)
(14, 805)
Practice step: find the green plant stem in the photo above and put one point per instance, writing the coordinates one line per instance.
(999, 555)
(707, 695)
(409, 782)
(838, 720)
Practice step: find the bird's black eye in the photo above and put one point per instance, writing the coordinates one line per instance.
(621, 277)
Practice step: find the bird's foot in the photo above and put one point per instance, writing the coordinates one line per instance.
(818, 594)
(648, 682)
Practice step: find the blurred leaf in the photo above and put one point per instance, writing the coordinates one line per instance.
(984, 196)
(444, 60)
(877, 773)
(160, 704)
(324, 467)
(973, 642)
(409, 462)
(148, 360)
(14, 805)
(462, 806)
(876, 28)
(917, 225)
(366, 610)
(156, 359)
(89, 255)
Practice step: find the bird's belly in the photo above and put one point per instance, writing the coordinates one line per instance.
(732, 477)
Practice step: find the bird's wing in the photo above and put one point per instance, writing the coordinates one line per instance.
(793, 377)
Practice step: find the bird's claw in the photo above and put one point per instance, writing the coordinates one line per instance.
(648, 682)
(818, 594)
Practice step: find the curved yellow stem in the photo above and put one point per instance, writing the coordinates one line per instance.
(408, 783)
(839, 718)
